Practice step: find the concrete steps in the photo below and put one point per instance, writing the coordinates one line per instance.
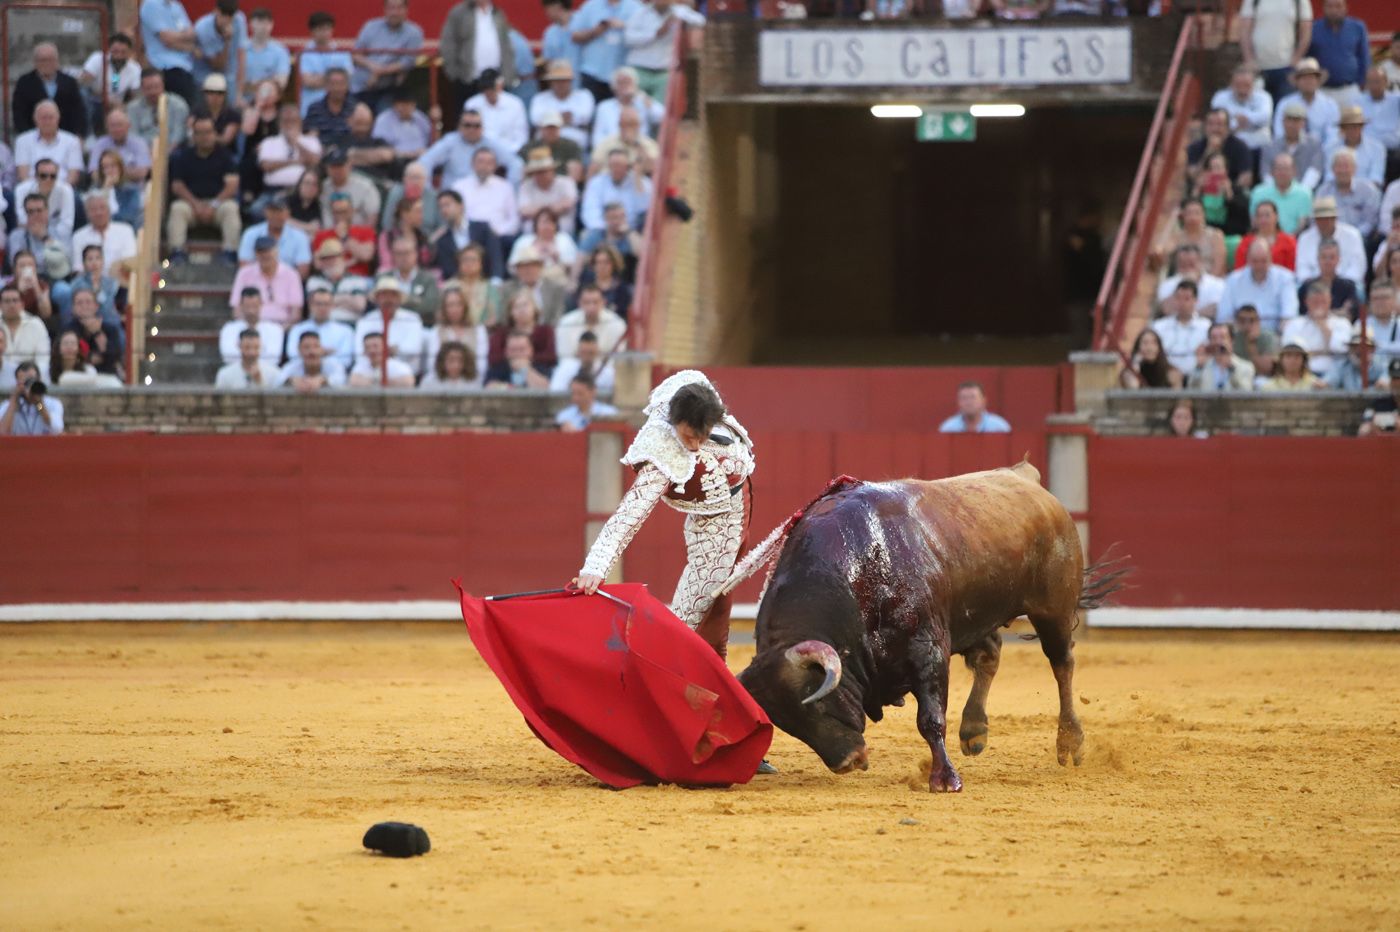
(189, 307)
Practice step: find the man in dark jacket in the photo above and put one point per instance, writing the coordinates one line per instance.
(47, 82)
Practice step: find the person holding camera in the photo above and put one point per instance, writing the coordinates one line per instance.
(1383, 415)
(1218, 369)
(29, 411)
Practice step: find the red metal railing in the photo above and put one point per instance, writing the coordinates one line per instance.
(641, 320)
(103, 12)
(1165, 146)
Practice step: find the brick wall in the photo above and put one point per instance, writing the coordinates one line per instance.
(203, 411)
(1321, 413)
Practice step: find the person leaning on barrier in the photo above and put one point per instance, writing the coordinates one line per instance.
(29, 411)
(1253, 342)
(1346, 374)
(249, 370)
(1217, 367)
(1324, 333)
(1383, 416)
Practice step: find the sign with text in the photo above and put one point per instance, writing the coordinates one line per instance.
(944, 57)
(946, 126)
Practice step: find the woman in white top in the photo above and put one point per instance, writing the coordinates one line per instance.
(68, 362)
(453, 370)
(453, 325)
(558, 248)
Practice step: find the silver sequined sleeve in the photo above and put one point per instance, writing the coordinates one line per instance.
(647, 490)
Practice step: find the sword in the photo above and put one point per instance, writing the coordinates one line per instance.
(520, 595)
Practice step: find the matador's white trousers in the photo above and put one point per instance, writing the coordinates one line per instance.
(712, 545)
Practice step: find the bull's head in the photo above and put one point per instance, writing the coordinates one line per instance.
(800, 689)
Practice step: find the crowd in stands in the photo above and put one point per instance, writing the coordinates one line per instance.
(503, 254)
(1282, 269)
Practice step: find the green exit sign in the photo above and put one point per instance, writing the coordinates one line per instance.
(946, 126)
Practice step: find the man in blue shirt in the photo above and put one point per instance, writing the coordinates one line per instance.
(453, 152)
(221, 37)
(619, 184)
(378, 73)
(1340, 46)
(293, 246)
(583, 392)
(170, 42)
(973, 416)
(598, 29)
(318, 58)
(266, 58)
(558, 41)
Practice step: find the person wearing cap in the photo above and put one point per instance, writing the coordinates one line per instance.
(145, 109)
(1346, 375)
(380, 72)
(567, 154)
(403, 126)
(1270, 289)
(1382, 416)
(405, 327)
(310, 369)
(558, 41)
(1382, 321)
(598, 28)
(318, 58)
(476, 37)
(1342, 47)
(293, 246)
(650, 38)
(117, 239)
(626, 93)
(1323, 112)
(285, 156)
(252, 368)
(349, 292)
(1292, 373)
(264, 58)
(1218, 369)
(1291, 199)
(1274, 36)
(502, 114)
(1358, 199)
(1346, 295)
(248, 316)
(363, 194)
(1250, 108)
(220, 44)
(357, 238)
(1305, 149)
(1370, 155)
(1381, 107)
(214, 102)
(453, 152)
(337, 338)
(277, 283)
(1326, 226)
(573, 105)
(370, 366)
(550, 295)
(1324, 333)
(545, 189)
(621, 184)
(328, 119)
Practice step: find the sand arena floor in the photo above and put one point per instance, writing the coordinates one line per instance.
(220, 777)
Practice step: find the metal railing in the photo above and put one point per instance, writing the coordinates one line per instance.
(145, 269)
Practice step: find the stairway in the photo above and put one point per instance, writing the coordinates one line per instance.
(189, 307)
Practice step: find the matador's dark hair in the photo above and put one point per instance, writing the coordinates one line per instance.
(698, 407)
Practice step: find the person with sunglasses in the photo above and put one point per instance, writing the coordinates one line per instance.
(453, 153)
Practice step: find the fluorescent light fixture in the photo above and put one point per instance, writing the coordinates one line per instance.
(897, 111)
(998, 110)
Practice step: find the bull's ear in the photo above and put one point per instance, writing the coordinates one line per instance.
(802, 657)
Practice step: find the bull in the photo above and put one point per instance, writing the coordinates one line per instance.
(879, 583)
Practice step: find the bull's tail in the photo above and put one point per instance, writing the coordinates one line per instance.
(1104, 578)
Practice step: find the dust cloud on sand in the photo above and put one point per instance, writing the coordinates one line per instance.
(220, 777)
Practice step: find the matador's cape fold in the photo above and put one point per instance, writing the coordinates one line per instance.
(621, 687)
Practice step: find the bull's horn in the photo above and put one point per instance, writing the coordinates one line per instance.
(818, 652)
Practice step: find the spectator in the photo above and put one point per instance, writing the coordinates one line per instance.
(547, 294)
(266, 58)
(626, 94)
(558, 41)
(170, 43)
(1346, 297)
(1322, 111)
(1183, 330)
(483, 295)
(1274, 36)
(1358, 200)
(40, 293)
(378, 73)
(1383, 321)
(144, 111)
(1380, 416)
(1148, 366)
(30, 411)
(47, 141)
(285, 156)
(311, 370)
(260, 123)
(368, 153)
(1325, 227)
(604, 271)
(405, 326)
(518, 368)
(476, 37)
(1293, 374)
(598, 28)
(573, 105)
(104, 341)
(1209, 288)
(404, 127)
(617, 232)
(1323, 333)
(26, 337)
(408, 222)
(117, 239)
(48, 82)
(456, 233)
(249, 317)
(7, 368)
(1269, 288)
(1306, 150)
(417, 287)
(1219, 138)
(1191, 229)
(1249, 108)
(373, 370)
(620, 184)
(650, 38)
(109, 294)
(589, 362)
(69, 361)
(136, 155)
(593, 315)
(453, 370)
(1182, 420)
(1391, 64)
(1370, 155)
(123, 73)
(349, 292)
(318, 59)
(643, 151)
(1341, 47)
(293, 247)
(278, 283)
(214, 103)
(357, 238)
(558, 249)
(453, 325)
(221, 43)
(1283, 248)
(304, 204)
(1294, 202)
(502, 114)
(1381, 107)
(488, 198)
(973, 416)
(453, 152)
(336, 341)
(1346, 375)
(1253, 342)
(58, 197)
(584, 407)
(1218, 369)
(1226, 206)
(328, 119)
(523, 316)
(567, 154)
(251, 369)
(544, 189)
(1388, 255)
(38, 238)
(364, 197)
(128, 195)
(204, 191)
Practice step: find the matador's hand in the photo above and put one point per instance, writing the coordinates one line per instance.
(588, 583)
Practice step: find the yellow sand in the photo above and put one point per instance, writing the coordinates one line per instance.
(183, 777)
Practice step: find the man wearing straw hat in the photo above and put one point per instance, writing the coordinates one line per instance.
(574, 105)
(405, 327)
(1323, 112)
(1370, 154)
(545, 188)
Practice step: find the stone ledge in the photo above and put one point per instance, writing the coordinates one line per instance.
(1315, 413)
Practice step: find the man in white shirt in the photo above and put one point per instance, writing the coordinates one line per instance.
(27, 339)
(489, 198)
(1382, 109)
(310, 370)
(370, 367)
(47, 141)
(123, 72)
(1270, 289)
(626, 93)
(58, 195)
(574, 106)
(250, 318)
(650, 38)
(250, 369)
(502, 114)
(1189, 267)
(1274, 36)
(30, 411)
(542, 188)
(117, 239)
(589, 362)
(285, 156)
(406, 334)
(1326, 227)
(1383, 321)
(1322, 333)
(1250, 108)
(1184, 330)
(592, 315)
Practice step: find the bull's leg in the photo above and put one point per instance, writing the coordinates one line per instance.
(930, 662)
(1056, 642)
(983, 660)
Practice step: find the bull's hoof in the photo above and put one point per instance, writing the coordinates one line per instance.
(1069, 744)
(946, 782)
(973, 739)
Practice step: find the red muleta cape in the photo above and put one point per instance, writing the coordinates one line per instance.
(627, 692)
